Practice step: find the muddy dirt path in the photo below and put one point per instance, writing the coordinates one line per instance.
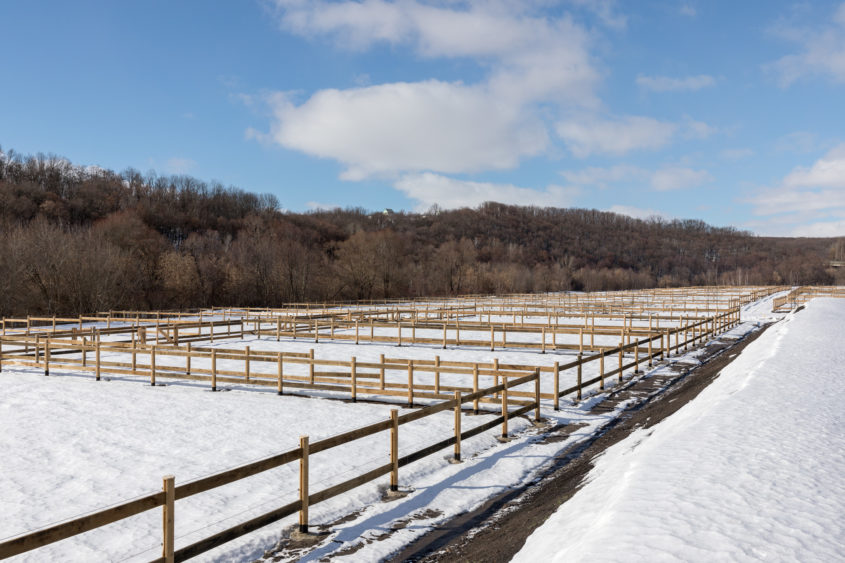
(497, 530)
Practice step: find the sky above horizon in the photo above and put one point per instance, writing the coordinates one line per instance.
(728, 112)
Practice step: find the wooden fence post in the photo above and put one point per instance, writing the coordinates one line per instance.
(246, 364)
(168, 519)
(537, 396)
(621, 345)
(436, 375)
(492, 338)
(188, 360)
(601, 371)
(1, 354)
(281, 367)
(356, 331)
(381, 371)
(97, 359)
(580, 361)
(444, 336)
(353, 375)
(505, 407)
(399, 334)
(278, 328)
(394, 449)
(457, 426)
(410, 383)
(152, 363)
(47, 356)
(303, 485)
(311, 366)
(475, 388)
(543, 336)
(557, 386)
(214, 370)
(650, 354)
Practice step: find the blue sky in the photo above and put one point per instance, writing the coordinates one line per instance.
(729, 112)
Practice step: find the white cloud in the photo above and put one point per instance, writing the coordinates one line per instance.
(447, 127)
(617, 136)
(821, 51)
(668, 84)
(179, 165)
(810, 198)
(821, 229)
(532, 59)
(638, 213)
(602, 177)
(428, 188)
(827, 172)
(677, 178)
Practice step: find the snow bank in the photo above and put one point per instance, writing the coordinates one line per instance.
(752, 469)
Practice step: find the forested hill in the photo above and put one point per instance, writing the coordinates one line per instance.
(81, 239)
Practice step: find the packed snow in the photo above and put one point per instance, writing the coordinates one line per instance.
(752, 469)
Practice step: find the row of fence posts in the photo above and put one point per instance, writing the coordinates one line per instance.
(168, 508)
(698, 333)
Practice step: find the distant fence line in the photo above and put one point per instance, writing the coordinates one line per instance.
(800, 295)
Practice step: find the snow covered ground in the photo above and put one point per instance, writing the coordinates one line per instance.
(71, 445)
(752, 469)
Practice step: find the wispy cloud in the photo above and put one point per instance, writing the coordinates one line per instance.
(638, 213)
(669, 84)
(428, 188)
(179, 165)
(679, 178)
(821, 50)
(605, 177)
(665, 178)
(688, 9)
(737, 154)
(810, 198)
(586, 136)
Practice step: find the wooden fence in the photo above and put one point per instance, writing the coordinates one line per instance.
(69, 349)
(355, 377)
(171, 492)
(800, 295)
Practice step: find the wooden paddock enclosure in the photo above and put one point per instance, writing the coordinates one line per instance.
(609, 333)
(801, 295)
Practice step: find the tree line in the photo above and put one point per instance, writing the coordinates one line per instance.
(83, 239)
